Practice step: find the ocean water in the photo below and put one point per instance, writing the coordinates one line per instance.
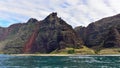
(7, 61)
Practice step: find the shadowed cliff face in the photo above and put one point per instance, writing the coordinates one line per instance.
(44, 36)
(52, 34)
(112, 38)
(102, 33)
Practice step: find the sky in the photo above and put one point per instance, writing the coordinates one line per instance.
(74, 12)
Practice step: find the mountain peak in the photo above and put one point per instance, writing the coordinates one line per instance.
(52, 16)
(32, 20)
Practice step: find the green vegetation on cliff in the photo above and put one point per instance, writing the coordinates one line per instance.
(82, 51)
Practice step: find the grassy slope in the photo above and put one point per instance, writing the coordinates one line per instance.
(109, 51)
(87, 51)
(83, 51)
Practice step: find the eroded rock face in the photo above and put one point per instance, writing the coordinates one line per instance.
(99, 32)
(15, 36)
(112, 38)
(53, 34)
(44, 36)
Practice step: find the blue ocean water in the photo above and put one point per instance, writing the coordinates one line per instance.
(7, 61)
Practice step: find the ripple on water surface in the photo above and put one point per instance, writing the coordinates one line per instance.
(7, 61)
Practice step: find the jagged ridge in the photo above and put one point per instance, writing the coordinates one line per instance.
(44, 36)
(104, 33)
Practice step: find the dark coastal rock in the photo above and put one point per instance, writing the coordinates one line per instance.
(35, 36)
(98, 34)
(112, 38)
(53, 33)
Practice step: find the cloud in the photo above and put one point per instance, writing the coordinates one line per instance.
(74, 12)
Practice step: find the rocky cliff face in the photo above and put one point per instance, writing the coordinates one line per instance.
(51, 34)
(15, 36)
(112, 39)
(102, 33)
(44, 36)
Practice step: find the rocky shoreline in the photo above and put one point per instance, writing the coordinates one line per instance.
(42, 54)
(63, 55)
